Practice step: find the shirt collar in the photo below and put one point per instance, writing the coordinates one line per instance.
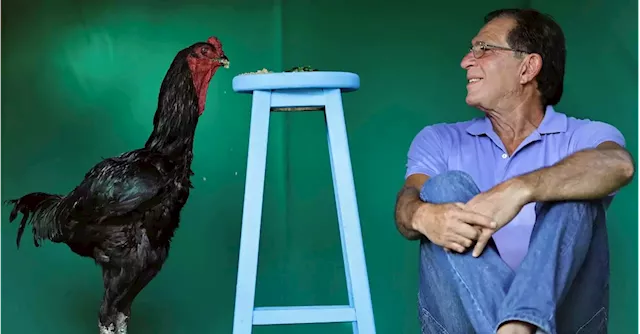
(553, 122)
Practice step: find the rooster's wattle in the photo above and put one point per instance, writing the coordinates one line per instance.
(126, 209)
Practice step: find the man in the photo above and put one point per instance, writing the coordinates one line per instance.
(509, 207)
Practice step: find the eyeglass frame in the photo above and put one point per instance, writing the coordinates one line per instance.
(484, 47)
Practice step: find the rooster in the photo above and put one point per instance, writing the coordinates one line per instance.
(125, 211)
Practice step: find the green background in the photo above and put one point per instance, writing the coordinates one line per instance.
(81, 82)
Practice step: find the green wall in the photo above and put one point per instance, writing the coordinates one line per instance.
(81, 82)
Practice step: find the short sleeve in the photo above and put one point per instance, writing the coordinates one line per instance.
(426, 153)
(595, 133)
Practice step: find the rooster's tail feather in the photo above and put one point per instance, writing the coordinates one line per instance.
(38, 209)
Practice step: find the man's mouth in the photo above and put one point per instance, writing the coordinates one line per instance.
(472, 80)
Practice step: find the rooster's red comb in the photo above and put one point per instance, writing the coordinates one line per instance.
(215, 42)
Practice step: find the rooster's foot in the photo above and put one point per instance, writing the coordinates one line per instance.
(120, 327)
(121, 324)
(111, 329)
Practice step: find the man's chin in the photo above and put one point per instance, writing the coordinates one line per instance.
(470, 101)
(475, 104)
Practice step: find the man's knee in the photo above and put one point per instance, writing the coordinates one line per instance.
(576, 225)
(450, 186)
(579, 211)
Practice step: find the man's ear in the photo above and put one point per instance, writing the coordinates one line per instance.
(530, 67)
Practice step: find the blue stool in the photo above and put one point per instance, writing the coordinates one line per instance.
(311, 91)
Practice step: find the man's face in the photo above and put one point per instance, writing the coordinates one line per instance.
(494, 78)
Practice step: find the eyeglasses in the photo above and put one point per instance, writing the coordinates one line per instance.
(479, 49)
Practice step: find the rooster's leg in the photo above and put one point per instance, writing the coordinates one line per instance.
(117, 282)
(139, 283)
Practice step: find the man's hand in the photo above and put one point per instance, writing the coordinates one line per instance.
(450, 225)
(501, 203)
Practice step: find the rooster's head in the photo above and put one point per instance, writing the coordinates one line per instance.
(204, 58)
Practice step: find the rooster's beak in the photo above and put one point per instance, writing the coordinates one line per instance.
(224, 61)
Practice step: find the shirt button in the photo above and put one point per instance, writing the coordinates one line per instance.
(504, 156)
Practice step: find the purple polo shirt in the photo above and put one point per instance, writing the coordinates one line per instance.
(473, 147)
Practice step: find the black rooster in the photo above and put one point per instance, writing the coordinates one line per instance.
(124, 213)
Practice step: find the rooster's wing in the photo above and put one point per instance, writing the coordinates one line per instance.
(115, 188)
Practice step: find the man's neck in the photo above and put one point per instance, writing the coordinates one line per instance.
(513, 123)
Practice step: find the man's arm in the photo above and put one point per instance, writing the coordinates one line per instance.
(426, 156)
(586, 174)
(407, 203)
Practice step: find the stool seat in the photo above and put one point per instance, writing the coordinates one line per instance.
(345, 81)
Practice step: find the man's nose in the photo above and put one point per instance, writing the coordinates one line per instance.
(467, 60)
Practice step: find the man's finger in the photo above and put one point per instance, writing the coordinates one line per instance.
(454, 246)
(477, 219)
(461, 240)
(482, 242)
(466, 230)
(460, 205)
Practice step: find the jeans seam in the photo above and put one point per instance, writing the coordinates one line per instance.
(473, 299)
(563, 247)
(426, 313)
(601, 310)
(546, 264)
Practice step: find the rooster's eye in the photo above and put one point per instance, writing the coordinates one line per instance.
(204, 50)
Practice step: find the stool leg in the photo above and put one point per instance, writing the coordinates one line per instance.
(348, 219)
(252, 213)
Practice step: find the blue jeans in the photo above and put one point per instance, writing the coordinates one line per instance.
(561, 286)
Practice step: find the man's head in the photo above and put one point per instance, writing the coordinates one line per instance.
(518, 54)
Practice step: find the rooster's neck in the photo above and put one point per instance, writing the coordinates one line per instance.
(176, 118)
(171, 135)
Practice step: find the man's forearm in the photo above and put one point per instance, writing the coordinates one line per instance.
(588, 174)
(407, 203)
